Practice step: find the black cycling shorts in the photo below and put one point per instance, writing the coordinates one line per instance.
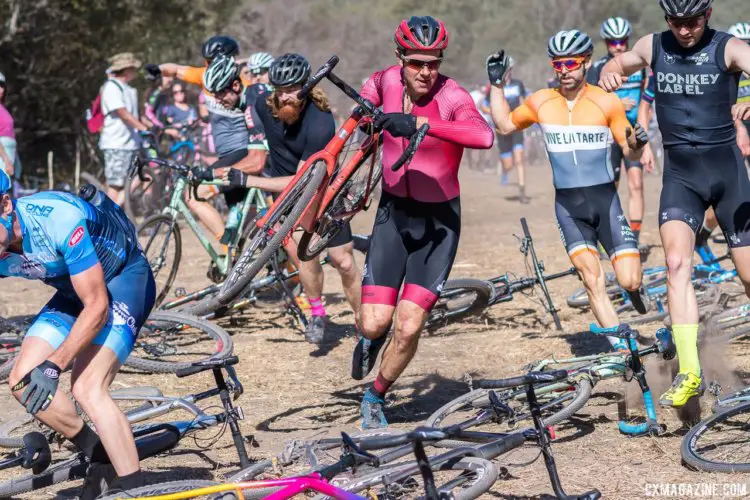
(696, 178)
(413, 243)
(233, 195)
(506, 144)
(586, 215)
(617, 158)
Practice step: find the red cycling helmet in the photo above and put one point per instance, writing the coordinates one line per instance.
(421, 33)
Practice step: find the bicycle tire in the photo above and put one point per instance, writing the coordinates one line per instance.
(329, 225)
(160, 489)
(479, 398)
(460, 297)
(246, 267)
(221, 340)
(67, 470)
(172, 235)
(9, 349)
(732, 321)
(87, 178)
(486, 471)
(689, 446)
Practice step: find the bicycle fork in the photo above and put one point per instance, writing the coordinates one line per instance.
(650, 426)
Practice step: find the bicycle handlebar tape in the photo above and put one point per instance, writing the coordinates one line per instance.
(411, 148)
(620, 331)
(531, 378)
(322, 72)
(525, 227)
(207, 365)
(503, 445)
(590, 495)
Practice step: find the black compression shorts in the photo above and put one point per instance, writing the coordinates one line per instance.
(617, 158)
(696, 178)
(506, 144)
(233, 195)
(413, 243)
(586, 215)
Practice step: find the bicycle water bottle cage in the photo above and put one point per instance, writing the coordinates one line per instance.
(665, 342)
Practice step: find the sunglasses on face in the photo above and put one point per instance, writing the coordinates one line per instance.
(571, 64)
(690, 23)
(417, 64)
(258, 72)
(618, 43)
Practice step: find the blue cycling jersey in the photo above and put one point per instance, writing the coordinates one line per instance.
(632, 88)
(64, 235)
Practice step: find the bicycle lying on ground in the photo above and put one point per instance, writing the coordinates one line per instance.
(321, 186)
(151, 439)
(561, 399)
(466, 296)
(464, 472)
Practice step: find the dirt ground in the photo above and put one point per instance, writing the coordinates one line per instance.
(294, 389)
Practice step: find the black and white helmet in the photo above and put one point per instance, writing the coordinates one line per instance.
(219, 45)
(288, 70)
(740, 30)
(615, 28)
(220, 74)
(259, 62)
(569, 43)
(685, 8)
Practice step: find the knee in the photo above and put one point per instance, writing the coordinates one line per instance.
(374, 326)
(593, 279)
(635, 184)
(408, 330)
(678, 266)
(15, 377)
(343, 262)
(630, 280)
(88, 393)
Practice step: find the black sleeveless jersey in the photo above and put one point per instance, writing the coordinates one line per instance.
(695, 91)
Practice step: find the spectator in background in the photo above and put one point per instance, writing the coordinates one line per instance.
(179, 114)
(8, 156)
(117, 139)
(157, 102)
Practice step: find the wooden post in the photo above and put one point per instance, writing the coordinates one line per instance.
(78, 163)
(50, 175)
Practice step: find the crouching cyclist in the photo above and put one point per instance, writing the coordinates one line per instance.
(105, 291)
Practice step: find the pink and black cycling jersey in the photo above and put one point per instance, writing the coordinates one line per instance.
(455, 124)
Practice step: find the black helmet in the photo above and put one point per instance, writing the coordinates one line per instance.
(289, 69)
(219, 45)
(685, 8)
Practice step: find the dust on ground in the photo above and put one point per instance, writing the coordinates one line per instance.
(294, 389)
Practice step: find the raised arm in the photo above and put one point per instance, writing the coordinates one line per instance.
(626, 64)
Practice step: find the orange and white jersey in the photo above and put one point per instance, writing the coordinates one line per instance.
(578, 134)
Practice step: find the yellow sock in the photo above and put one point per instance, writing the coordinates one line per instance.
(686, 341)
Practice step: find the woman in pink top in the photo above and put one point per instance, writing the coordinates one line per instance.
(7, 134)
(415, 237)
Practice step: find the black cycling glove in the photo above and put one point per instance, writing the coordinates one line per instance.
(498, 65)
(202, 173)
(640, 139)
(41, 386)
(397, 124)
(152, 71)
(237, 178)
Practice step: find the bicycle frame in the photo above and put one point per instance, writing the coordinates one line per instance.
(329, 156)
(177, 206)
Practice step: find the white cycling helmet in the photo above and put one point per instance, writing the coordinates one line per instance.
(568, 43)
(615, 28)
(259, 62)
(740, 30)
(220, 74)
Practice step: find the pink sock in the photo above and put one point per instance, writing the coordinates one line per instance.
(316, 306)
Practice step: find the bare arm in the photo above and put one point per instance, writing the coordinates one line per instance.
(251, 164)
(129, 119)
(500, 110)
(174, 70)
(91, 289)
(626, 64)
(737, 55)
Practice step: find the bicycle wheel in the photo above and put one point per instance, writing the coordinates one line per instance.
(559, 403)
(160, 238)
(162, 489)
(340, 210)
(263, 242)
(69, 469)
(719, 443)
(145, 198)
(460, 297)
(170, 341)
(9, 349)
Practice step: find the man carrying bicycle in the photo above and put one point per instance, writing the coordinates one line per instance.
(579, 122)
(105, 292)
(295, 130)
(415, 237)
(697, 71)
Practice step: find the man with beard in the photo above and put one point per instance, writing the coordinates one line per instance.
(697, 71)
(295, 130)
(580, 121)
(417, 227)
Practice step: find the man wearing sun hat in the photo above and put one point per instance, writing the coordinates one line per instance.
(117, 139)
